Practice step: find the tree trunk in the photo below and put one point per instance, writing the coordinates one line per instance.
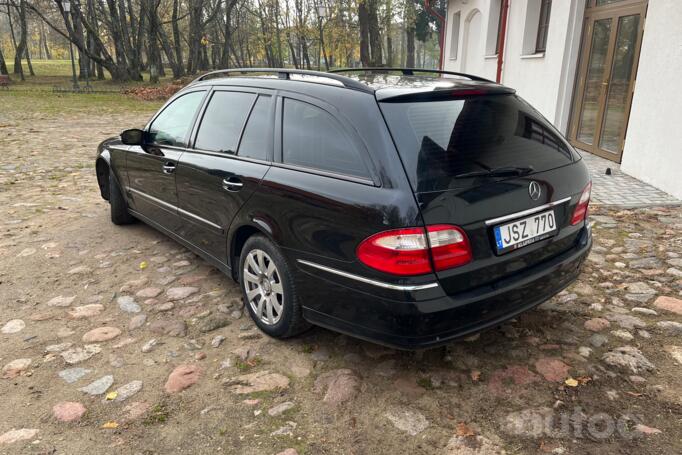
(122, 64)
(388, 23)
(176, 39)
(43, 49)
(409, 59)
(194, 33)
(83, 60)
(95, 68)
(374, 32)
(363, 20)
(28, 62)
(3, 64)
(176, 66)
(19, 49)
(227, 34)
(410, 21)
(153, 55)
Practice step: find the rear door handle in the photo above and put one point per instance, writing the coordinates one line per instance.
(168, 167)
(232, 184)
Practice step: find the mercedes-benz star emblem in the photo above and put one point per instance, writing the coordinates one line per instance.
(534, 190)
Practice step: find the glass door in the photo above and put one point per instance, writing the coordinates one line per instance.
(606, 76)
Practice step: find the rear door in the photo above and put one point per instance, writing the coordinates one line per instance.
(151, 167)
(232, 151)
(481, 162)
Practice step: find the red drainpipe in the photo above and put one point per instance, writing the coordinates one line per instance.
(503, 35)
(441, 35)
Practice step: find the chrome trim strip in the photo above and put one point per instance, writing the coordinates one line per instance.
(174, 208)
(156, 201)
(526, 212)
(381, 284)
(200, 220)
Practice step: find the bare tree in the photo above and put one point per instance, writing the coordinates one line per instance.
(3, 64)
(374, 32)
(363, 18)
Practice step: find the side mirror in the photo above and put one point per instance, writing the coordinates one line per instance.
(132, 137)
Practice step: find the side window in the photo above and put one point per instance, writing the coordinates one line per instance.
(311, 137)
(257, 134)
(173, 124)
(223, 121)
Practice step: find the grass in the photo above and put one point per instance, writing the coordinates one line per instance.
(245, 366)
(47, 102)
(425, 383)
(51, 73)
(35, 95)
(158, 414)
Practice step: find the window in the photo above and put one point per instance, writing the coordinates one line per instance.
(492, 45)
(454, 40)
(499, 29)
(543, 26)
(223, 121)
(440, 140)
(172, 125)
(312, 138)
(257, 134)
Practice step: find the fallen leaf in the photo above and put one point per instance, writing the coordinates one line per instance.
(143, 265)
(464, 430)
(475, 375)
(571, 382)
(111, 396)
(111, 425)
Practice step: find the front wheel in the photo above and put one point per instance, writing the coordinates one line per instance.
(268, 289)
(118, 206)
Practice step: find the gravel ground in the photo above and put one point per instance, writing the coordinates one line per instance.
(119, 340)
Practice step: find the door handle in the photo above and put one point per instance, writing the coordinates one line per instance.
(168, 167)
(232, 184)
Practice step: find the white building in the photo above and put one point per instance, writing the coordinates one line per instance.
(607, 73)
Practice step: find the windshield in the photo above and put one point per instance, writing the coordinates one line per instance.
(442, 141)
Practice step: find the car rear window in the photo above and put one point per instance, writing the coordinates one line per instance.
(439, 140)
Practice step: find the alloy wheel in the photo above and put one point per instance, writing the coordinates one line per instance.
(263, 286)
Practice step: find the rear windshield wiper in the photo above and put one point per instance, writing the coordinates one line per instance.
(498, 172)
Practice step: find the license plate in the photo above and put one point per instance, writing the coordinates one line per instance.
(511, 236)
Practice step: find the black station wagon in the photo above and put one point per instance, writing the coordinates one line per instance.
(407, 207)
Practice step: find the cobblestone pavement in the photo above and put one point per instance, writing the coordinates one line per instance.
(620, 189)
(116, 340)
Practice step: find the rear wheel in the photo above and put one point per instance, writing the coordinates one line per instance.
(268, 289)
(118, 206)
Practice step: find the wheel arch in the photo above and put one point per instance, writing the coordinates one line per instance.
(239, 237)
(102, 169)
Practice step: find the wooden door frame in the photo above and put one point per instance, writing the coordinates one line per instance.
(592, 14)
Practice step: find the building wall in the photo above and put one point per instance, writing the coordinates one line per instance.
(653, 145)
(545, 80)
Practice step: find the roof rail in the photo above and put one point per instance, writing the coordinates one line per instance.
(285, 73)
(409, 72)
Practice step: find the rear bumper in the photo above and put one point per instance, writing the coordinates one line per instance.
(407, 322)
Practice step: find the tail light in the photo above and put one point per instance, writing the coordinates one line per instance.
(580, 212)
(409, 251)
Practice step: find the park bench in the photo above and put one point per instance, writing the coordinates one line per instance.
(4, 81)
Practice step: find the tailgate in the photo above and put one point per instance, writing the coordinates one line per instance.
(480, 209)
(487, 160)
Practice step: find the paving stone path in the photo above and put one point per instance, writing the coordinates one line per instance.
(116, 340)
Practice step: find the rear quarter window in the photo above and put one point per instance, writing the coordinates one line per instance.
(313, 138)
(439, 140)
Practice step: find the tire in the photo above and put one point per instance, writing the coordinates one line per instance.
(287, 321)
(118, 206)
